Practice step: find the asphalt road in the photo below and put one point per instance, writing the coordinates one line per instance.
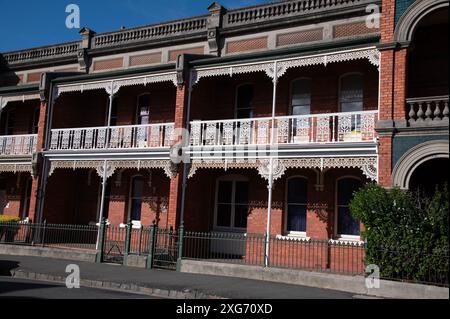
(18, 288)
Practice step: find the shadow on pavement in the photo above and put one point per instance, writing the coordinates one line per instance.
(6, 266)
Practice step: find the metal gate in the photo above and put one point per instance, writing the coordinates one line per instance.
(114, 244)
(165, 248)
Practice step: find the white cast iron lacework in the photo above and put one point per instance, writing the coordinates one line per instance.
(112, 87)
(113, 166)
(368, 165)
(371, 54)
(15, 168)
(18, 144)
(4, 100)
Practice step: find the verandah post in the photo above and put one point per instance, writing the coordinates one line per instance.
(129, 227)
(152, 244)
(180, 246)
(101, 241)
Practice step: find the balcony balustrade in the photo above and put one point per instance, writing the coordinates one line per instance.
(427, 110)
(116, 137)
(17, 145)
(304, 129)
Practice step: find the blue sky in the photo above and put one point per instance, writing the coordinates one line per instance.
(31, 23)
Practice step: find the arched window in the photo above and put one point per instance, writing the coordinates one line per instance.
(297, 200)
(301, 97)
(244, 101)
(232, 204)
(136, 193)
(143, 109)
(346, 224)
(351, 93)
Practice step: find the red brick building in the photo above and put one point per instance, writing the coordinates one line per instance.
(223, 120)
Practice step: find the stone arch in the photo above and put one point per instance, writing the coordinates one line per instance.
(416, 156)
(411, 17)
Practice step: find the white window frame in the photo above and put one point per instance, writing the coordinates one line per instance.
(343, 237)
(138, 109)
(135, 223)
(286, 205)
(340, 89)
(28, 187)
(291, 93)
(233, 179)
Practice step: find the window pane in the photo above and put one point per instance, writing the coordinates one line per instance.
(224, 215)
(347, 225)
(244, 113)
(296, 218)
(346, 188)
(351, 94)
(240, 217)
(297, 191)
(301, 97)
(225, 192)
(113, 121)
(241, 193)
(144, 100)
(244, 105)
(136, 206)
(138, 187)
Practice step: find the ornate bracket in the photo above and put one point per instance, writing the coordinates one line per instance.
(278, 169)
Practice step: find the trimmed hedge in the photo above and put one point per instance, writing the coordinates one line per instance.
(407, 235)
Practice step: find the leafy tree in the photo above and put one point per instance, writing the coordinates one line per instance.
(407, 234)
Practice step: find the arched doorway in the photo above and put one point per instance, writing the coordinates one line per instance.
(428, 62)
(429, 175)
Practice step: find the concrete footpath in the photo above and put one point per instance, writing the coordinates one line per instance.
(159, 283)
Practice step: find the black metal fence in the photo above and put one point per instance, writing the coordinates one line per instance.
(49, 235)
(165, 248)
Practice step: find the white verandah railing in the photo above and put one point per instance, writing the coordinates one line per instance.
(301, 129)
(120, 137)
(18, 144)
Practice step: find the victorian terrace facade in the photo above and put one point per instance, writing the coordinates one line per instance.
(289, 107)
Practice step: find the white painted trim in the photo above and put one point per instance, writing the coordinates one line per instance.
(286, 203)
(229, 178)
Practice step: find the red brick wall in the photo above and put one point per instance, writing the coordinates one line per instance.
(201, 191)
(154, 206)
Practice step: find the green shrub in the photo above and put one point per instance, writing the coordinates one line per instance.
(406, 235)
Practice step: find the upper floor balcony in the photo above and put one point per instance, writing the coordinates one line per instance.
(112, 138)
(288, 130)
(18, 145)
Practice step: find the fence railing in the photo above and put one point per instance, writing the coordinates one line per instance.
(116, 137)
(299, 129)
(165, 248)
(49, 235)
(18, 144)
